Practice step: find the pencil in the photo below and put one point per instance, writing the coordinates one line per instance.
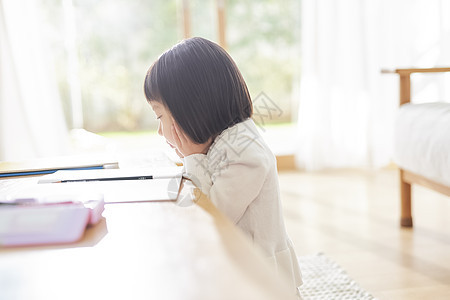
(107, 179)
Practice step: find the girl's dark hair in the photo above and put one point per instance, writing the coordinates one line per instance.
(201, 86)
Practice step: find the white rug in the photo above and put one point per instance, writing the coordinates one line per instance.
(324, 279)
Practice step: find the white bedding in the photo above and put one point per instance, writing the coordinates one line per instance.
(422, 140)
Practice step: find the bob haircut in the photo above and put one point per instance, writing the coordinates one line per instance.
(199, 83)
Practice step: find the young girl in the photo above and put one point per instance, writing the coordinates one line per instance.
(204, 111)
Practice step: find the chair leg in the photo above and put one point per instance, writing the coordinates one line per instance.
(405, 194)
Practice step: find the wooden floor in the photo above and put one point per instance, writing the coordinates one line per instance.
(352, 216)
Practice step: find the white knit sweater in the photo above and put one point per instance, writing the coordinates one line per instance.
(239, 175)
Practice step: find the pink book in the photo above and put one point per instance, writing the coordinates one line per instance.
(26, 224)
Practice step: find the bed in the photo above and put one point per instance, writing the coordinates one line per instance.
(421, 143)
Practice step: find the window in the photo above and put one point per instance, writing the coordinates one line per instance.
(102, 50)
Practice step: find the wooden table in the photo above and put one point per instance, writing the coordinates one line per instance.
(151, 250)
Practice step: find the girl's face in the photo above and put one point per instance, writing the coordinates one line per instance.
(165, 122)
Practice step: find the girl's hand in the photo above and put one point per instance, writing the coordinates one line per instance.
(184, 145)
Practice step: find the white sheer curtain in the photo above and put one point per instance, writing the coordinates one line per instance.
(31, 118)
(347, 107)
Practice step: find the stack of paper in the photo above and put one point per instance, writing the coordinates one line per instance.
(56, 208)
